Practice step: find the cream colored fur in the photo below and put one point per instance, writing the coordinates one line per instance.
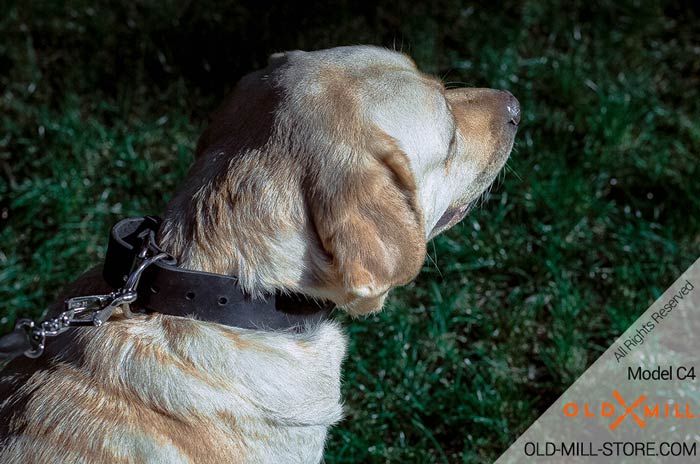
(325, 173)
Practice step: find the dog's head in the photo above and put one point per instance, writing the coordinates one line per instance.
(328, 171)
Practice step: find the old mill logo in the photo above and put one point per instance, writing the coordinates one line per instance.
(638, 411)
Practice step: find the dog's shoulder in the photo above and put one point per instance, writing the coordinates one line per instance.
(158, 388)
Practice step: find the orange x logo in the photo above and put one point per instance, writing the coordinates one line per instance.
(628, 410)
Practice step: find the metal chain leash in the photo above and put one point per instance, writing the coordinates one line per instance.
(86, 311)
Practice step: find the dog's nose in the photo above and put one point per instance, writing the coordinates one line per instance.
(513, 109)
(500, 106)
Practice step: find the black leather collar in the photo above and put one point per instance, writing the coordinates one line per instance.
(167, 289)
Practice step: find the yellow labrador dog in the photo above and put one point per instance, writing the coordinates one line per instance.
(323, 174)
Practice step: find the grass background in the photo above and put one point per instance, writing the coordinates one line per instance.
(597, 214)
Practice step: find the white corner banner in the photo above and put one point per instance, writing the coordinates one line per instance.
(639, 402)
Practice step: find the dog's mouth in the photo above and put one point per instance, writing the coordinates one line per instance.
(451, 217)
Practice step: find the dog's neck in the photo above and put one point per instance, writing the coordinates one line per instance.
(263, 259)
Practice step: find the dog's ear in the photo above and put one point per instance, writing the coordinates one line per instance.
(369, 223)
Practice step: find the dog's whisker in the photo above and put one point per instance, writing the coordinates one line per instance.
(511, 169)
(456, 84)
(434, 260)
